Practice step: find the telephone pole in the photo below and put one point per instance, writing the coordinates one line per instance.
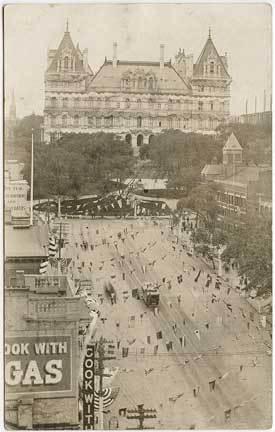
(141, 414)
(100, 372)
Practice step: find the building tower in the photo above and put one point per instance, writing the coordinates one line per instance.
(68, 72)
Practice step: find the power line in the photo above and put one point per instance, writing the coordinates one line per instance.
(141, 414)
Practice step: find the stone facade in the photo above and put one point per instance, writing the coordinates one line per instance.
(134, 99)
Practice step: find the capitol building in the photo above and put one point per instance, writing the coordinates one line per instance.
(134, 99)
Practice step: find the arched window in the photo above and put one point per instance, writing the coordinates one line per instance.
(139, 122)
(200, 105)
(212, 65)
(98, 122)
(66, 62)
(151, 103)
(53, 101)
(64, 120)
(76, 102)
(90, 121)
(53, 121)
(211, 106)
(139, 103)
(111, 119)
(127, 103)
(72, 63)
(178, 123)
(151, 83)
(170, 123)
(98, 102)
(150, 122)
(76, 120)
(90, 102)
(140, 83)
(65, 102)
(170, 104)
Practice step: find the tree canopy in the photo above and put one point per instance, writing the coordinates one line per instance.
(78, 164)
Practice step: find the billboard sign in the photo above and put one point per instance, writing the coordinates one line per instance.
(89, 388)
(38, 364)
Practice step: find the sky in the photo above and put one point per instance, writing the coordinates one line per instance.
(241, 30)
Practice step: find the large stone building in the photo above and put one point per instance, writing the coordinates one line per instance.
(134, 99)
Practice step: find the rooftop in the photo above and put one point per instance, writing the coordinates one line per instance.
(26, 242)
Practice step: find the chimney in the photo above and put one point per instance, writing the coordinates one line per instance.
(161, 58)
(114, 54)
(85, 59)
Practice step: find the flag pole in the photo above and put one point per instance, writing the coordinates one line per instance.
(31, 198)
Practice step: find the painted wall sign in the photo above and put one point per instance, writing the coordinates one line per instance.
(38, 364)
(88, 388)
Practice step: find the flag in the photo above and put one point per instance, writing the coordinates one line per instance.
(43, 267)
(197, 333)
(52, 246)
(107, 396)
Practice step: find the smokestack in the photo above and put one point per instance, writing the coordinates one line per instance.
(161, 58)
(114, 54)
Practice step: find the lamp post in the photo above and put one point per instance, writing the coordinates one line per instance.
(31, 197)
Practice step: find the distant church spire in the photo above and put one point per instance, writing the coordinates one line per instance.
(209, 33)
(67, 26)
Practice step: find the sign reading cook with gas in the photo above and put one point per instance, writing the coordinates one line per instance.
(38, 364)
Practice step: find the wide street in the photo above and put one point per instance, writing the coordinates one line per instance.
(217, 372)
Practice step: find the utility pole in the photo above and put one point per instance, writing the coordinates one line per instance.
(141, 414)
(31, 198)
(100, 372)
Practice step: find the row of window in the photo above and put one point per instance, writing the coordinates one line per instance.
(65, 84)
(139, 83)
(14, 195)
(138, 104)
(212, 68)
(110, 121)
(232, 199)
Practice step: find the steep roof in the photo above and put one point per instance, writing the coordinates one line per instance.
(109, 78)
(67, 45)
(209, 50)
(232, 143)
(245, 175)
(212, 169)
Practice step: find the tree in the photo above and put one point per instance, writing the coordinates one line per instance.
(250, 245)
(173, 150)
(202, 200)
(78, 164)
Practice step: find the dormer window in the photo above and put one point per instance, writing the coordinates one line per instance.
(66, 62)
(212, 67)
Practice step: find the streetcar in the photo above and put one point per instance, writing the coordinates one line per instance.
(151, 294)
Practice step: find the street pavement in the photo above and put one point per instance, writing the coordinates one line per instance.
(216, 336)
